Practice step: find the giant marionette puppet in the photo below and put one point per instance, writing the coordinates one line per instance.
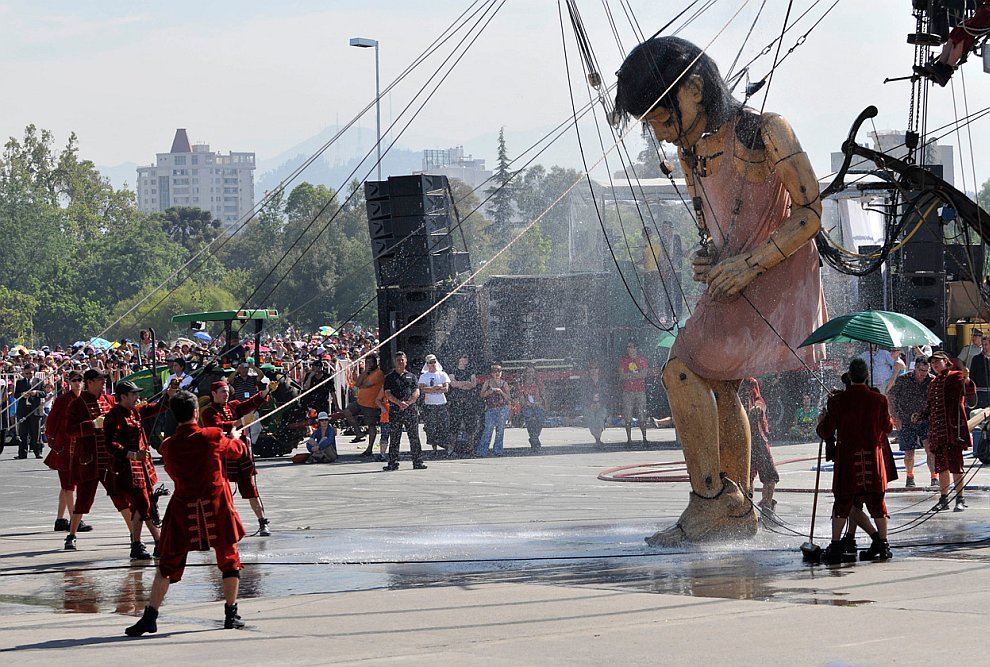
(758, 209)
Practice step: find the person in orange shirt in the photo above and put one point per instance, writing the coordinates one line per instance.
(367, 387)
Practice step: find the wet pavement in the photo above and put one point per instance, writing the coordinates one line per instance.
(472, 527)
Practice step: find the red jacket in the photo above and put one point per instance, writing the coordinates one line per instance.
(223, 417)
(858, 420)
(201, 510)
(58, 439)
(88, 457)
(123, 433)
(946, 415)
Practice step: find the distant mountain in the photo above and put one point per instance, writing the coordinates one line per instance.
(334, 167)
(121, 175)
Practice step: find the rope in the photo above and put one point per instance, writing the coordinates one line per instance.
(443, 38)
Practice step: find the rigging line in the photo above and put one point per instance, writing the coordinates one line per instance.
(969, 132)
(613, 27)
(581, 36)
(742, 47)
(673, 20)
(925, 516)
(691, 19)
(803, 38)
(601, 221)
(633, 21)
(473, 275)
(776, 62)
(394, 140)
(584, 47)
(620, 142)
(560, 131)
(663, 247)
(292, 176)
(624, 150)
(955, 112)
(769, 47)
(353, 192)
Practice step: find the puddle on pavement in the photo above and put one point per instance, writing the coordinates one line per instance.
(599, 556)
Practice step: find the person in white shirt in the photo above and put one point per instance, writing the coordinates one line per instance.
(434, 383)
(966, 354)
(178, 368)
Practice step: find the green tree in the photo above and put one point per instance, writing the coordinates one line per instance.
(190, 227)
(311, 241)
(501, 196)
(16, 316)
(541, 194)
(190, 297)
(352, 296)
(72, 242)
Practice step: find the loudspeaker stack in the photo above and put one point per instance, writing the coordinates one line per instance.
(412, 225)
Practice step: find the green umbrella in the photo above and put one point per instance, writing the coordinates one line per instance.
(876, 327)
(879, 327)
(668, 337)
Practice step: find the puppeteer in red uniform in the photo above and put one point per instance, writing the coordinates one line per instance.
(58, 453)
(200, 514)
(226, 415)
(855, 425)
(948, 430)
(130, 458)
(89, 461)
(858, 420)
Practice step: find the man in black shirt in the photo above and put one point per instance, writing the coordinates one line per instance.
(979, 373)
(30, 394)
(402, 391)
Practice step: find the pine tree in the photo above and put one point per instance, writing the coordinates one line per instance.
(502, 196)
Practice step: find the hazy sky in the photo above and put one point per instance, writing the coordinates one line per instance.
(262, 76)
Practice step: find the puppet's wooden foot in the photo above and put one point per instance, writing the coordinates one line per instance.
(727, 516)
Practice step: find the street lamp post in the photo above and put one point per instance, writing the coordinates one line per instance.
(365, 43)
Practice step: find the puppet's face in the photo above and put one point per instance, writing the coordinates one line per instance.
(686, 130)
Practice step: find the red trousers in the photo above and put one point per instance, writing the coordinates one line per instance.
(86, 493)
(172, 565)
(65, 480)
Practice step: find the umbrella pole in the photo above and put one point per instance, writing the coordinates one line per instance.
(873, 352)
(811, 552)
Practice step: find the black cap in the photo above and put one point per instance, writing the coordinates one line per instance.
(125, 387)
(93, 374)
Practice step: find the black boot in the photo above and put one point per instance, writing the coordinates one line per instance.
(879, 550)
(62, 525)
(833, 554)
(960, 504)
(942, 504)
(139, 552)
(231, 619)
(148, 623)
(264, 528)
